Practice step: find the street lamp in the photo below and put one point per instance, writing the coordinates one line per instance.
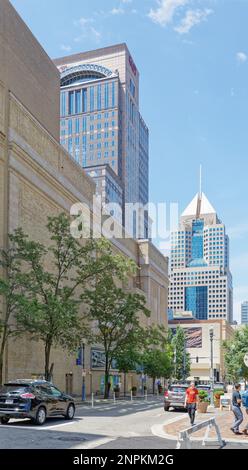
(211, 336)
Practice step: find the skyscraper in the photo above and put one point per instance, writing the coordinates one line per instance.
(244, 313)
(201, 281)
(100, 119)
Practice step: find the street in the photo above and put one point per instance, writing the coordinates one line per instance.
(124, 425)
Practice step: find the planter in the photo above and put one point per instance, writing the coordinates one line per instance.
(203, 407)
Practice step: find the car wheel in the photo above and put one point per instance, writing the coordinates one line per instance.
(4, 420)
(40, 416)
(70, 412)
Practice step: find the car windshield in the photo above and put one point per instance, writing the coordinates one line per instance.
(16, 389)
(178, 389)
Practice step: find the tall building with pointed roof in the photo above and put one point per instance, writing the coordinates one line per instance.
(201, 281)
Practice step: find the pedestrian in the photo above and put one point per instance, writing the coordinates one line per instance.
(191, 400)
(245, 404)
(236, 408)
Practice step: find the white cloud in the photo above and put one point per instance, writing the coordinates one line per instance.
(65, 48)
(166, 10)
(117, 11)
(126, 1)
(241, 57)
(87, 30)
(83, 21)
(192, 18)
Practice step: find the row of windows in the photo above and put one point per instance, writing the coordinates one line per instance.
(93, 98)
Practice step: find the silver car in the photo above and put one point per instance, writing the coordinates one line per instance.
(175, 397)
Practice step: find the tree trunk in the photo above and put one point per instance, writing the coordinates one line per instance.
(48, 346)
(125, 383)
(153, 386)
(106, 378)
(2, 349)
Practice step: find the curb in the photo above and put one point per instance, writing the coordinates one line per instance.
(158, 430)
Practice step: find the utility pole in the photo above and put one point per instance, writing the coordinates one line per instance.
(211, 336)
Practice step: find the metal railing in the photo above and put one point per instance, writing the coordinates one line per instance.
(184, 440)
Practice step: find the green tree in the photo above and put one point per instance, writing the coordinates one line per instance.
(128, 357)
(182, 363)
(12, 282)
(157, 363)
(115, 314)
(58, 274)
(235, 351)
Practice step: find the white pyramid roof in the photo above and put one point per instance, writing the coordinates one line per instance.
(206, 207)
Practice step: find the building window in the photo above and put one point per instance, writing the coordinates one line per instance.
(99, 97)
(78, 102)
(70, 146)
(77, 126)
(92, 99)
(71, 102)
(70, 127)
(113, 94)
(63, 103)
(106, 95)
(84, 124)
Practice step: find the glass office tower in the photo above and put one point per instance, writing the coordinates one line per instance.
(201, 281)
(100, 119)
(244, 313)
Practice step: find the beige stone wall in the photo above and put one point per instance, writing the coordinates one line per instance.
(27, 70)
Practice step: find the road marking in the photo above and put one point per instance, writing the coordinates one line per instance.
(35, 428)
(94, 444)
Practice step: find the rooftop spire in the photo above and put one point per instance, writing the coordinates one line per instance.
(200, 192)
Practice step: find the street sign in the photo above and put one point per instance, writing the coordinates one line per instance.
(246, 359)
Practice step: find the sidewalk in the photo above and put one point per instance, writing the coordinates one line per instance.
(224, 420)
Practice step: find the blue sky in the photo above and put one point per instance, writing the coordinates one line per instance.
(193, 60)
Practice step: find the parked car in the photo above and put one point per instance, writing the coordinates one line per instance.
(220, 386)
(175, 396)
(34, 399)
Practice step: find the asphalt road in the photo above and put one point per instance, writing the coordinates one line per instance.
(123, 425)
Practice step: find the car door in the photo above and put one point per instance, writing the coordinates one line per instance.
(61, 402)
(46, 395)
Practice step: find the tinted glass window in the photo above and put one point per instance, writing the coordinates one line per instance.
(178, 389)
(44, 389)
(55, 392)
(16, 389)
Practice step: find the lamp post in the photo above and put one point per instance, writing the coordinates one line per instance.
(84, 374)
(211, 336)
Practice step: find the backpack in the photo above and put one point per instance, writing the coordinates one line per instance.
(245, 399)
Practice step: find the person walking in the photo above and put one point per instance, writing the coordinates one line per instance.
(245, 404)
(236, 408)
(191, 400)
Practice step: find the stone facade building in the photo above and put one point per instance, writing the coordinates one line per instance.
(38, 178)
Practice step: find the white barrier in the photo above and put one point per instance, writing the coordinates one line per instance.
(184, 436)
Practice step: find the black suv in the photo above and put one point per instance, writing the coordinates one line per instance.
(34, 399)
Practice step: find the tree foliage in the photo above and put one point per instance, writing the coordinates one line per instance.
(235, 351)
(116, 316)
(182, 363)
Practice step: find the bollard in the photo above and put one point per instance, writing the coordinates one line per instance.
(131, 395)
(114, 399)
(92, 400)
(146, 396)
